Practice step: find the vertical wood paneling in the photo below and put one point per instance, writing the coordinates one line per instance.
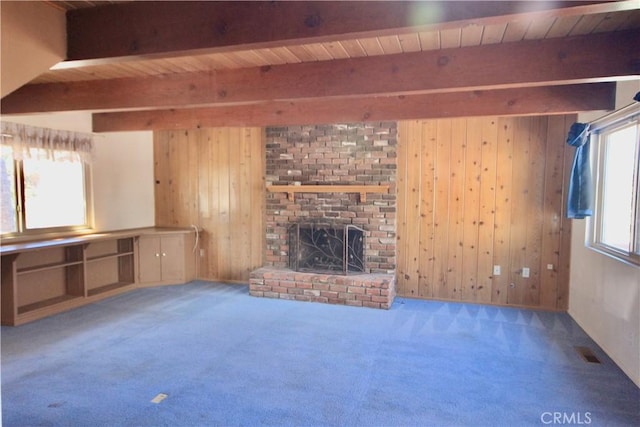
(456, 208)
(412, 271)
(209, 178)
(490, 192)
(257, 167)
(212, 236)
(472, 193)
(519, 210)
(441, 217)
(427, 176)
(471, 211)
(565, 229)
(224, 202)
(203, 149)
(502, 218)
(234, 215)
(160, 173)
(486, 229)
(191, 202)
(401, 210)
(244, 208)
(535, 220)
(553, 185)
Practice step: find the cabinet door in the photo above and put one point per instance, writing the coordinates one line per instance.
(172, 254)
(149, 259)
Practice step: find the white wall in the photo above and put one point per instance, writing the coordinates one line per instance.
(123, 187)
(604, 294)
(34, 38)
(123, 181)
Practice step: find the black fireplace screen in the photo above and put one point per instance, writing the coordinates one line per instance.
(324, 248)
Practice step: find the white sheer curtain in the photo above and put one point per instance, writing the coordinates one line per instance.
(31, 141)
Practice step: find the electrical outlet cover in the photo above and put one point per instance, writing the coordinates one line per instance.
(525, 272)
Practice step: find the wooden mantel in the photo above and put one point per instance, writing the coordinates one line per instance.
(362, 189)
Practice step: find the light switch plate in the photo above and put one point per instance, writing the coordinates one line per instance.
(496, 270)
(525, 272)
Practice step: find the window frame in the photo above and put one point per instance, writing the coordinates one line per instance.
(23, 233)
(599, 131)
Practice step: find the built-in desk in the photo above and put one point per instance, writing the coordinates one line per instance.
(44, 277)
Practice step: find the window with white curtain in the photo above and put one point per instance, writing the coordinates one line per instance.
(615, 226)
(44, 180)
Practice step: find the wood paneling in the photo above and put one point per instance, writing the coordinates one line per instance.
(472, 193)
(214, 178)
(479, 192)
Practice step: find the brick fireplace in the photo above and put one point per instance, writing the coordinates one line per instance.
(356, 155)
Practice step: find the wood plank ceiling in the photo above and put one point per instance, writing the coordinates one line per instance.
(471, 34)
(238, 56)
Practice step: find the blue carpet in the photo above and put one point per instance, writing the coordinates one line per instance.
(224, 358)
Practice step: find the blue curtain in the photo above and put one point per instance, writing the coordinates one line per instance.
(580, 195)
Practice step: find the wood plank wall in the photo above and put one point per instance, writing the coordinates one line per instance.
(214, 178)
(479, 192)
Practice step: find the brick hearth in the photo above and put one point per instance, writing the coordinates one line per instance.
(360, 290)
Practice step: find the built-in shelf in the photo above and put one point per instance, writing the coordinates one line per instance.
(44, 277)
(44, 267)
(45, 303)
(107, 288)
(108, 256)
(110, 265)
(361, 189)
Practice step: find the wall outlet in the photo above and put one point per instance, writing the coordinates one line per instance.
(525, 272)
(496, 270)
(202, 252)
(549, 266)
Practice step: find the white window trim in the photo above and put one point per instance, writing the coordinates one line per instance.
(609, 122)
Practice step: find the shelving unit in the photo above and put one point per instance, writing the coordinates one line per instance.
(48, 277)
(41, 278)
(110, 265)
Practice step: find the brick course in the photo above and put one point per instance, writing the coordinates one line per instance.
(362, 290)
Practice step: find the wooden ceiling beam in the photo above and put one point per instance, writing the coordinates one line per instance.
(584, 59)
(132, 30)
(521, 101)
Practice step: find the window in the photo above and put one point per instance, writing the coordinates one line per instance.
(44, 185)
(615, 227)
(8, 194)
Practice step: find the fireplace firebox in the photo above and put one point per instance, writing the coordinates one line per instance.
(326, 248)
